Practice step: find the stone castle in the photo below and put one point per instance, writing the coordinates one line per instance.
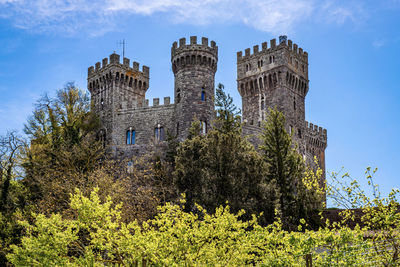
(275, 76)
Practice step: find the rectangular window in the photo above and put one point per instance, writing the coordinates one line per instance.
(156, 136)
(128, 137)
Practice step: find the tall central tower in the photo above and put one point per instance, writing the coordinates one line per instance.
(194, 66)
(275, 76)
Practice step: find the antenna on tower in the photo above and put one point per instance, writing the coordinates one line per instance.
(123, 47)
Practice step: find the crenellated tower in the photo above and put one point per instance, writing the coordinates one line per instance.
(277, 76)
(115, 86)
(194, 66)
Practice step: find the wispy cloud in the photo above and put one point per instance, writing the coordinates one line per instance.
(99, 16)
(378, 43)
(340, 12)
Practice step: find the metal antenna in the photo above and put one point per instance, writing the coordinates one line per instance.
(123, 47)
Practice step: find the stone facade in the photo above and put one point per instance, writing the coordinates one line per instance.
(275, 76)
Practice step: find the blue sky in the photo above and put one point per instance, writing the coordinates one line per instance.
(353, 46)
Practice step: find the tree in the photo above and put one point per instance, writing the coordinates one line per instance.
(284, 166)
(228, 115)
(63, 147)
(12, 192)
(222, 166)
(11, 147)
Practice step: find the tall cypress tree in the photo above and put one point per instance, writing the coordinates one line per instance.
(285, 166)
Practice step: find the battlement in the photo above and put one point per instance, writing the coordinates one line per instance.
(283, 43)
(115, 61)
(315, 128)
(194, 46)
(316, 136)
(145, 104)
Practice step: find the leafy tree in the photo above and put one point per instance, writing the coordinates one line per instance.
(380, 216)
(286, 168)
(11, 147)
(12, 192)
(63, 147)
(222, 166)
(96, 236)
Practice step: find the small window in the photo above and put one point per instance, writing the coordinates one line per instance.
(299, 132)
(262, 103)
(159, 133)
(294, 103)
(130, 137)
(290, 129)
(178, 95)
(203, 96)
(203, 127)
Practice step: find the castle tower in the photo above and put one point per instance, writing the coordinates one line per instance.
(114, 86)
(277, 76)
(194, 66)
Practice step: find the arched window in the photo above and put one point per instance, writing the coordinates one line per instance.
(130, 136)
(203, 95)
(159, 133)
(203, 127)
(262, 103)
(178, 95)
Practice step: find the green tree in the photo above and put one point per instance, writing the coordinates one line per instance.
(97, 236)
(63, 147)
(222, 166)
(228, 115)
(284, 166)
(12, 192)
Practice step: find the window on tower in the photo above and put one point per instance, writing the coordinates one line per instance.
(203, 95)
(130, 136)
(159, 133)
(178, 95)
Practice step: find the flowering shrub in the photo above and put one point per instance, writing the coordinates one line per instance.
(98, 236)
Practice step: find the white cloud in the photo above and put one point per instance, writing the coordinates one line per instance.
(99, 16)
(378, 43)
(339, 12)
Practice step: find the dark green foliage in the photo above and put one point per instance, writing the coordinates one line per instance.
(285, 167)
(227, 113)
(222, 166)
(12, 193)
